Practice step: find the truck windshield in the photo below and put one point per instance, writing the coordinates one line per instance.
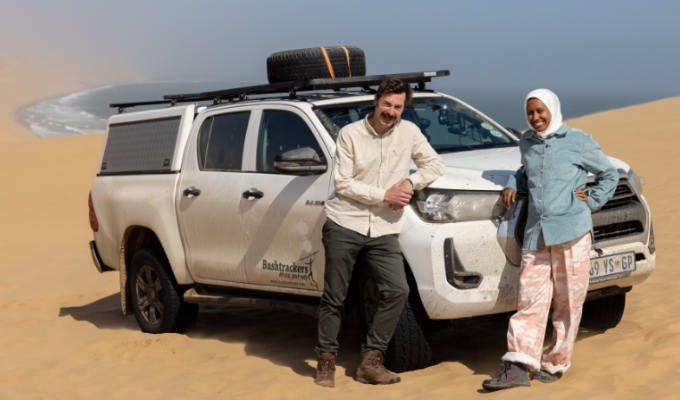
(449, 126)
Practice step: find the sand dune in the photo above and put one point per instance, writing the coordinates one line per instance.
(63, 336)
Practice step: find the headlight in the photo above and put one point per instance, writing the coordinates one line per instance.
(452, 206)
(635, 181)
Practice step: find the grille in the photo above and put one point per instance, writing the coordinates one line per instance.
(615, 203)
(616, 230)
(623, 215)
(623, 190)
(623, 196)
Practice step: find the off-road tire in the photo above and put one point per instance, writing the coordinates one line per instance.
(411, 344)
(155, 298)
(604, 313)
(305, 64)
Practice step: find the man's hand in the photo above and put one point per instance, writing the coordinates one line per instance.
(581, 195)
(508, 196)
(399, 194)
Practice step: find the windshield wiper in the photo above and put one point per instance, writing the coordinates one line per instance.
(453, 149)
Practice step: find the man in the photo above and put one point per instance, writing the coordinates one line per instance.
(372, 186)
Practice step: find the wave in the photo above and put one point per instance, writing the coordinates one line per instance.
(86, 111)
(62, 116)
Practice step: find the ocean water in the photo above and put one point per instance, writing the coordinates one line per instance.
(64, 115)
(86, 111)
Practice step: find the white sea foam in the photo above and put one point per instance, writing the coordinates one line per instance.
(76, 96)
(63, 115)
(86, 111)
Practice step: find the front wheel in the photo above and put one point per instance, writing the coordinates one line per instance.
(411, 344)
(410, 347)
(156, 300)
(604, 313)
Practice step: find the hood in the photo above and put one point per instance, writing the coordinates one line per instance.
(487, 169)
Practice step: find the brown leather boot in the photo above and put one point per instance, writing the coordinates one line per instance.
(325, 370)
(371, 369)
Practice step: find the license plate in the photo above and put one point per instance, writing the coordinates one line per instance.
(611, 267)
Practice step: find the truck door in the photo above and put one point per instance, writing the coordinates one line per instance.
(282, 213)
(209, 203)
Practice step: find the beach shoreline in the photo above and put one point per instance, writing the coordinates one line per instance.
(64, 336)
(27, 81)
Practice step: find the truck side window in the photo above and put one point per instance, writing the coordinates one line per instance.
(220, 141)
(281, 131)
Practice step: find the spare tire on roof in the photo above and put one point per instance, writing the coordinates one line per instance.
(317, 62)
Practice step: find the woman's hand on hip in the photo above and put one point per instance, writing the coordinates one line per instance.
(581, 195)
(508, 195)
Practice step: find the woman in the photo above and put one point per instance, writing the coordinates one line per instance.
(556, 251)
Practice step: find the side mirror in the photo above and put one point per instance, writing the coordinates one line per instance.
(302, 161)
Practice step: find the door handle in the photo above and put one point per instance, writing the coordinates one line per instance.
(252, 193)
(192, 191)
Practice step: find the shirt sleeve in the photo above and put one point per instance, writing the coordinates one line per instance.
(518, 181)
(343, 173)
(606, 176)
(430, 165)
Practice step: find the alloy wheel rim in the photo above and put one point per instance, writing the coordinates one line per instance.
(149, 294)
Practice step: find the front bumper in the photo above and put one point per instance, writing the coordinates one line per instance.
(472, 249)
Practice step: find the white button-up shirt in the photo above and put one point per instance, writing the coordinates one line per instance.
(367, 164)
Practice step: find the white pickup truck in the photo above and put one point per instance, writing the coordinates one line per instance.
(223, 204)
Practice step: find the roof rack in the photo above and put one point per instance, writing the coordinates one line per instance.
(292, 87)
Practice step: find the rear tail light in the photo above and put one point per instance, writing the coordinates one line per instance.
(94, 224)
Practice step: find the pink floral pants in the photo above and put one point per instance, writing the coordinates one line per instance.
(559, 273)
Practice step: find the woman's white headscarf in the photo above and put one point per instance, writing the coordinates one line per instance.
(551, 101)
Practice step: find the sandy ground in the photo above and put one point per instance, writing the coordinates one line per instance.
(63, 336)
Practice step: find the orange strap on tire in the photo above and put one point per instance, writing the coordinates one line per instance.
(349, 69)
(328, 61)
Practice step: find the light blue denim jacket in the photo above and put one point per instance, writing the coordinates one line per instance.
(551, 169)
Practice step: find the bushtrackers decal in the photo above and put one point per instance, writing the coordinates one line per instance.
(299, 272)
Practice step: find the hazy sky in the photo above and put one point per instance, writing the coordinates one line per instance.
(592, 45)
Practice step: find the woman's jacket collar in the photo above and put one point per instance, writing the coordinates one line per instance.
(561, 131)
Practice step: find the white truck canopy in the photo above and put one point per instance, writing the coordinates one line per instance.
(147, 141)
